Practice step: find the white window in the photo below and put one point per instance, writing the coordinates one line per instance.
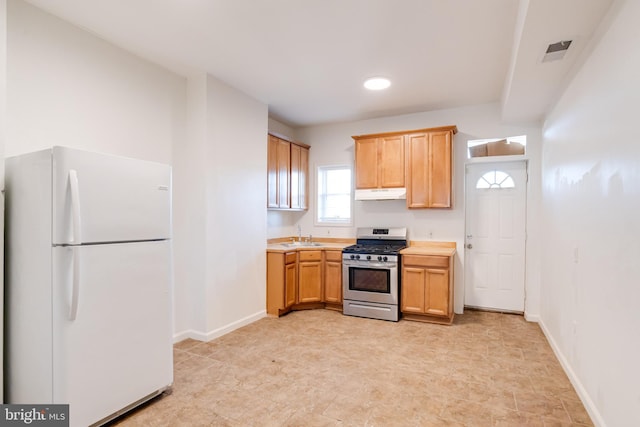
(511, 145)
(334, 204)
(495, 179)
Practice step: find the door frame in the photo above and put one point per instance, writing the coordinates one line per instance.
(495, 160)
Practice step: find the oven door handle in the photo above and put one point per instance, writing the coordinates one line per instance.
(371, 265)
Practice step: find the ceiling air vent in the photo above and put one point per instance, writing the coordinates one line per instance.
(556, 51)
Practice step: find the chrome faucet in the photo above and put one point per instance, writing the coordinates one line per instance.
(299, 234)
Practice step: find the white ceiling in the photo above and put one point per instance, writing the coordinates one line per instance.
(307, 59)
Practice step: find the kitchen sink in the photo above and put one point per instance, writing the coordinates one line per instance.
(300, 244)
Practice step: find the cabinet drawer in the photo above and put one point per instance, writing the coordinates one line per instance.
(426, 260)
(310, 256)
(333, 255)
(289, 257)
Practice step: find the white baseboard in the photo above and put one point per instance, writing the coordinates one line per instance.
(208, 336)
(575, 381)
(531, 317)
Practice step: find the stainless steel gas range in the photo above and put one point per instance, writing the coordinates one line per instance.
(371, 273)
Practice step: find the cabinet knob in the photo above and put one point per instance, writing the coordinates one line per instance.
(469, 246)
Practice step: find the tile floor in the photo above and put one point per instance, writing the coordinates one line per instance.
(320, 368)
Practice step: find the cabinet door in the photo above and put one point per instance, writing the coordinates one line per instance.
(440, 170)
(284, 172)
(310, 281)
(299, 172)
(303, 178)
(295, 176)
(429, 170)
(333, 281)
(437, 292)
(272, 172)
(413, 289)
(291, 284)
(417, 173)
(391, 162)
(366, 163)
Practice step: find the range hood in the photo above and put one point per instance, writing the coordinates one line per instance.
(381, 194)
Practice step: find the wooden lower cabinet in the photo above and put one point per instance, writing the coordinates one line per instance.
(304, 279)
(290, 284)
(333, 277)
(282, 282)
(427, 288)
(309, 276)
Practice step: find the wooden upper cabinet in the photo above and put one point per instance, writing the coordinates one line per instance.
(287, 174)
(418, 160)
(272, 172)
(367, 163)
(284, 173)
(299, 178)
(391, 161)
(440, 170)
(418, 175)
(380, 162)
(429, 168)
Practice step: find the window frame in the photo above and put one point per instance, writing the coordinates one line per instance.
(335, 223)
(507, 180)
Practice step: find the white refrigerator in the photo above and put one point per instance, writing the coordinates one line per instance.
(88, 282)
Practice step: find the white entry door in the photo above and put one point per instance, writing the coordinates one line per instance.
(496, 195)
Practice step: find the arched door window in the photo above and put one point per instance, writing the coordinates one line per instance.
(495, 179)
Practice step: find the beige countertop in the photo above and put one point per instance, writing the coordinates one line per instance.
(279, 245)
(415, 247)
(419, 247)
(428, 250)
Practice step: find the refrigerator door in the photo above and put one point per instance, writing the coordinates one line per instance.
(112, 342)
(100, 198)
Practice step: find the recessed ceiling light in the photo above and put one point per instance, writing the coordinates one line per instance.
(377, 83)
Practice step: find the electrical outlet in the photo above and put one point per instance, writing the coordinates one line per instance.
(430, 234)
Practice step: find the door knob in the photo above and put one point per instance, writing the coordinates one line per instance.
(469, 246)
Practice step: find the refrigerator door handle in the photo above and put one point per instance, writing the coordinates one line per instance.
(75, 207)
(75, 285)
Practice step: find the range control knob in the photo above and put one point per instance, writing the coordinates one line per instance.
(368, 257)
(357, 256)
(384, 258)
(352, 256)
(379, 258)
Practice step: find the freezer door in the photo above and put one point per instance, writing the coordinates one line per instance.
(102, 198)
(112, 339)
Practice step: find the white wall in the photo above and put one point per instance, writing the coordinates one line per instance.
(68, 87)
(221, 226)
(3, 99)
(332, 144)
(190, 213)
(236, 157)
(591, 205)
(281, 129)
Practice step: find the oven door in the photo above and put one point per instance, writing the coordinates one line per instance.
(370, 281)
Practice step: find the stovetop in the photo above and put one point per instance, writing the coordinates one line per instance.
(378, 241)
(377, 249)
